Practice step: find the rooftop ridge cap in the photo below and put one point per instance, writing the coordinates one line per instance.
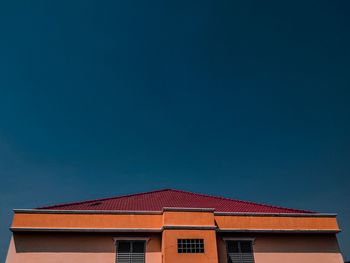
(243, 201)
(101, 199)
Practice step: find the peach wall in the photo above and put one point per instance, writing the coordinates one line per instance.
(169, 246)
(290, 249)
(299, 258)
(69, 248)
(43, 251)
(96, 248)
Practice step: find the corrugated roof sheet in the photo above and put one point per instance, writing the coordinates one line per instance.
(157, 200)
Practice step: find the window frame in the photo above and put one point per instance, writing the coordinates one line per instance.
(190, 246)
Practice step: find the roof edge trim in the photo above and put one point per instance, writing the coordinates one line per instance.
(108, 230)
(116, 212)
(191, 227)
(320, 231)
(159, 230)
(181, 209)
(165, 209)
(275, 214)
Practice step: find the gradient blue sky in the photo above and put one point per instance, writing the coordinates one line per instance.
(245, 99)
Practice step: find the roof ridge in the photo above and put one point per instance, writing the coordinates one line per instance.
(102, 199)
(243, 201)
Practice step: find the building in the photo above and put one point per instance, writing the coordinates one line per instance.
(172, 226)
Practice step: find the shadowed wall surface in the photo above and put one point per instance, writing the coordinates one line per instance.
(64, 247)
(55, 248)
(289, 249)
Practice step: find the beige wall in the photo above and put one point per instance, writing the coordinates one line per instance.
(72, 248)
(290, 249)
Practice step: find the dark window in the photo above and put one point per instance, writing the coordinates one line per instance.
(190, 246)
(124, 247)
(130, 252)
(239, 251)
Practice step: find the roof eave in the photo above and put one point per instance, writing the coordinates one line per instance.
(175, 209)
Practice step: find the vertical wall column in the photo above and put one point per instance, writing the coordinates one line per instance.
(189, 224)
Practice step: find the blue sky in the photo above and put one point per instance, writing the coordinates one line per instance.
(245, 99)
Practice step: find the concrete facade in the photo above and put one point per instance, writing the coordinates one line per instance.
(89, 236)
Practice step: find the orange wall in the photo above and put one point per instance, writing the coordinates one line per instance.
(188, 218)
(169, 246)
(276, 223)
(157, 221)
(87, 221)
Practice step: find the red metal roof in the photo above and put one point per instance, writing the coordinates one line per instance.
(157, 200)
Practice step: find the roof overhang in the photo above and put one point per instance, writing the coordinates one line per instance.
(148, 230)
(169, 209)
(42, 220)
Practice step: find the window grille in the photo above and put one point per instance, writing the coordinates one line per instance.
(190, 246)
(130, 252)
(240, 251)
